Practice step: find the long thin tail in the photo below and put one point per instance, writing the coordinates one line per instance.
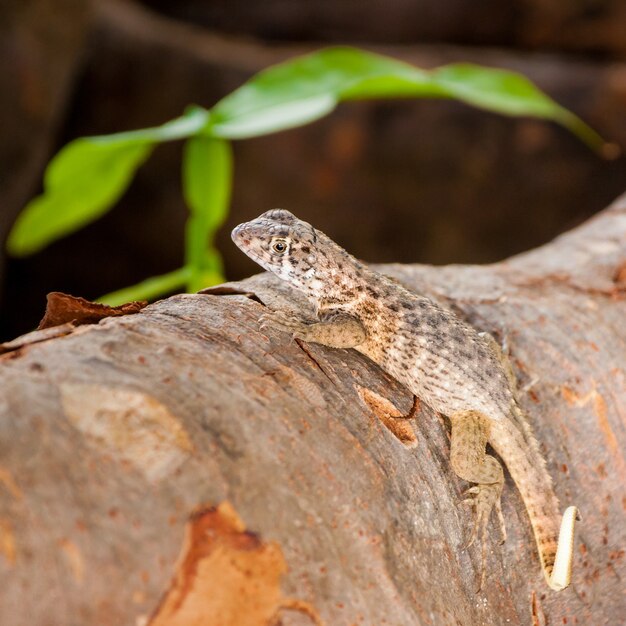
(517, 446)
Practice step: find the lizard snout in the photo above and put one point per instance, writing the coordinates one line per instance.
(238, 234)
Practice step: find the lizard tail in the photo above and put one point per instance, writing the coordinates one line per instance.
(517, 446)
(561, 573)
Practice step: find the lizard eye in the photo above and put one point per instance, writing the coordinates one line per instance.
(279, 246)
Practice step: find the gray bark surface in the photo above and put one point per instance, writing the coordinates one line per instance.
(119, 439)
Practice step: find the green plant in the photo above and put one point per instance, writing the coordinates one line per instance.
(87, 177)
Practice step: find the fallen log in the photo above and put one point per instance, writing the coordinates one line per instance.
(179, 466)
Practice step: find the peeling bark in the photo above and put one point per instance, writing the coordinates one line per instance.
(164, 467)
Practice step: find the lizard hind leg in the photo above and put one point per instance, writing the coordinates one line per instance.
(469, 460)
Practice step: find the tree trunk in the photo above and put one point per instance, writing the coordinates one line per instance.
(135, 453)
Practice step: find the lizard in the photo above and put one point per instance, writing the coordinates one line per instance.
(444, 361)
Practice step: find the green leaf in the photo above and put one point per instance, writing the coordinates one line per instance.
(274, 118)
(508, 93)
(306, 88)
(207, 178)
(207, 182)
(302, 90)
(191, 123)
(149, 289)
(86, 178)
(82, 182)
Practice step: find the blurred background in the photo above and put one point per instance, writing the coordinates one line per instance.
(408, 181)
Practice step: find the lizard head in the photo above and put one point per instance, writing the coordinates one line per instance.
(293, 250)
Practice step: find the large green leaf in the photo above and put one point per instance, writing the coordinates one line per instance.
(307, 88)
(508, 93)
(86, 178)
(82, 182)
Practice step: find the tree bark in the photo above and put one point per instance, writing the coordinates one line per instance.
(179, 466)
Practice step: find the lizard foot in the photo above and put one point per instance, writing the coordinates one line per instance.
(483, 498)
(283, 321)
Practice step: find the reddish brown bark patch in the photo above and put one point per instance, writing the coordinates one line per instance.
(391, 417)
(226, 575)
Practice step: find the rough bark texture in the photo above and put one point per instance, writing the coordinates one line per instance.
(135, 453)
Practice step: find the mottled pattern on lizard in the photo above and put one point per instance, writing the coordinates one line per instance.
(444, 361)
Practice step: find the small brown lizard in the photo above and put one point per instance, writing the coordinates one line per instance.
(442, 360)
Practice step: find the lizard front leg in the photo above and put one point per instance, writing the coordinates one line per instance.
(470, 431)
(337, 331)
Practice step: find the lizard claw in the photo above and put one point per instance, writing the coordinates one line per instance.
(471, 539)
(484, 498)
(469, 501)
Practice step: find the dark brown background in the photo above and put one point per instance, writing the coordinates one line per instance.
(409, 181)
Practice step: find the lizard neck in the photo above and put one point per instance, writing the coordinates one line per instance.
(337, 279)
